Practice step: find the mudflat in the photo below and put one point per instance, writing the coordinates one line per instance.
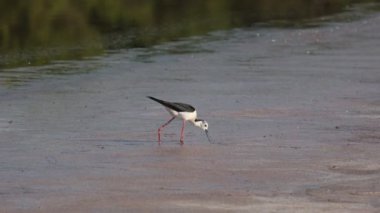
(293, 113)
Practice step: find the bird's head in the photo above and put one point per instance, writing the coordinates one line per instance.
(203, 125)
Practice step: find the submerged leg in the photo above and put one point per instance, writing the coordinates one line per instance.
(159, 129)
(183, 127)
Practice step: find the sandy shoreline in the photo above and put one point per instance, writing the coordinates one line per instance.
(294, 114)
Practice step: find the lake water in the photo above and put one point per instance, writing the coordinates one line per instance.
(293, 113)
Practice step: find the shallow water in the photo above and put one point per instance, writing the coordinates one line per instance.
(294, 115)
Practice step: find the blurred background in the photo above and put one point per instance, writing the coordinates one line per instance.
(37, 32)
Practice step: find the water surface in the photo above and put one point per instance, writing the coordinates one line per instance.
(294, 114)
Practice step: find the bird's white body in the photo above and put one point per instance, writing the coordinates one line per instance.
(187, 116)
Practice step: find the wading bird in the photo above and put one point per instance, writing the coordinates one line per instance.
(184, 111)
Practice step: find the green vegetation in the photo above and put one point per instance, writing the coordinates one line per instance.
(36, 32)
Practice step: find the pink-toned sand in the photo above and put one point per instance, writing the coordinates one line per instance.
(294, 115)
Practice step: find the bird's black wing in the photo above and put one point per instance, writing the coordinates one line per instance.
(179, 107)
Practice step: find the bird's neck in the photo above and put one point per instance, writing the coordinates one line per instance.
(193, 122)
(197, 124)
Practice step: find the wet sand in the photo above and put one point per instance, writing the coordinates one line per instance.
(294, 115)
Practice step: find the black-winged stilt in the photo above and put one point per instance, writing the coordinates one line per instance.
(184, 111)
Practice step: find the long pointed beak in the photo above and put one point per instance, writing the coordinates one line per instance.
(208, 137)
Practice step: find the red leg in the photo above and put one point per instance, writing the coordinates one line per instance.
(159, 129)
(183, 127)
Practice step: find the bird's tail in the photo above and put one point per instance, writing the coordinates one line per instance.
(156, 99)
